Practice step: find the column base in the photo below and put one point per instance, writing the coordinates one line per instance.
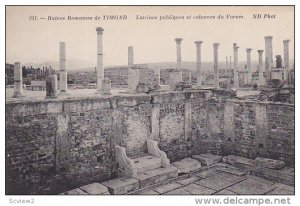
(18, 96)
(51, 97)
(63, 93)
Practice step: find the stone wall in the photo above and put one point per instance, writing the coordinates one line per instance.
(259, 129)
(58, 144)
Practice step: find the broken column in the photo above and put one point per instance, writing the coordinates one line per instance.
(106, 86)
(248, 50)
(268, 55)
(235, 65)
(178, 67)
(261, 81)
(216, 65)
(286, 58)
(100, 68)
(18, 80)
(51, 86)
(198, 63)
(62, 66)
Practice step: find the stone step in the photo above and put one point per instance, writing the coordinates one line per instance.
(187, 165)
(234, 171)
(207, 159)
(121, 185)
(95, 189)
(157, 175)
(146, 162)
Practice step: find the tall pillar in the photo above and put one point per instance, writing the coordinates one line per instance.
(131, 72)
(248, 50)
(18, 80)
(62, 66)
(100, 68)
(198, 62)
(268, 56)
(261, 81)
(178, 52)
(286, 58)
(235, 65)
(216, 65)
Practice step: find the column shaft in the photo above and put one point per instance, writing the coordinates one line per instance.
(216, 64)
(261, 81)
(18, 80)
(100, 68)
(62, 67)
(235, 65)
(198, 63)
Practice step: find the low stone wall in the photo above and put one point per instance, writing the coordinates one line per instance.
(58, 144)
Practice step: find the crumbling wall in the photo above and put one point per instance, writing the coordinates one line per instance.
(259, 129)
(58, 144)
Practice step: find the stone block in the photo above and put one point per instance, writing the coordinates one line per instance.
(106, 86)
(234, 171)
(167, 188)
(146, 163)
(187, 165)
(195, 189)
(207, 173)
(95, 189)
(179, 191)
(251, 187)
(269, 163)
(150, 192)
(207, 159)
(220, 181)
(188, 180)
(225, 192)
(76, 191)
(157, 175)
(121, 185)
(240, 162)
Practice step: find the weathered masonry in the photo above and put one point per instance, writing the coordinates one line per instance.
(58, 144)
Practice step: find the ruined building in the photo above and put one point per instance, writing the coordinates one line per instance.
(120, 143)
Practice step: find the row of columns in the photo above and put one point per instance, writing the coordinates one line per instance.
(103, 85)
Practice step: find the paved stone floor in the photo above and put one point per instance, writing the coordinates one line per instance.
(206, 181)
(216, 182)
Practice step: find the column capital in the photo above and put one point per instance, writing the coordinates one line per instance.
(260, 51)
(268, 37)
(99, 30)
(178, 40)
(198, 43)
(216, 45)
(248, 50)
(235, 47)
(286, 41)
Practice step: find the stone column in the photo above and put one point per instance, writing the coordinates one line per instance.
(18, 80)
(100, 68)
(216, 65)
(286, 58)
(198, 63)
(62, 66)
(248, 50)
(131, 72)
(235, 65)
(51, 86)
(268, 55)
(261, 81)
(178, 52)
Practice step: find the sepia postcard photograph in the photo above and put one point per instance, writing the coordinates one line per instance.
(150, 100)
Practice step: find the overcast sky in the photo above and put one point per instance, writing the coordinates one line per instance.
(153, 40)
